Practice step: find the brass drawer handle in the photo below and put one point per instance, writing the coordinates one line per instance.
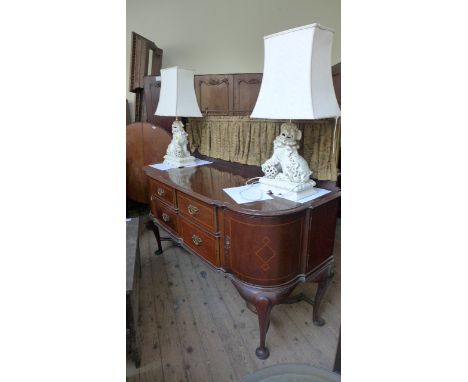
(161, 192)
(196, 240)
(192, 209)
(165, 217)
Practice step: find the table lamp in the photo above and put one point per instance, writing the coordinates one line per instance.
(177, 99)
(297, 84)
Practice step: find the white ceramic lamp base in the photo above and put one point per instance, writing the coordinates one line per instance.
(179, 161)
(289, 190)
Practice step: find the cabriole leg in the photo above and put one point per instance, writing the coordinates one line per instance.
(263, 306)
(260, 301)
(323, 285)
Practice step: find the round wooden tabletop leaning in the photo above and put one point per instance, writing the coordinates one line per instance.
(146, 144)
(292, 372)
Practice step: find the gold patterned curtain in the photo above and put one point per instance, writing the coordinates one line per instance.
(242, 140)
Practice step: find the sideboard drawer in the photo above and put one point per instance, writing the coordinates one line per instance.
(199, 241)
(165, 214)
(162, 191)
(200, 212)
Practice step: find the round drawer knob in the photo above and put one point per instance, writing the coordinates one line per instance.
(165, 217)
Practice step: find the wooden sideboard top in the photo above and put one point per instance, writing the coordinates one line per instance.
(207, 182)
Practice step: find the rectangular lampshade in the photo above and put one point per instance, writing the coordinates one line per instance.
(297, 80)
(177, 97)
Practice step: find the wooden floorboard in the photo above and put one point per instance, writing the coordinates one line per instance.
(218, 360)
(233, 344)
(195, 326)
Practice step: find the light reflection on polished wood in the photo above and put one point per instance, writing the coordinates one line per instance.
(207, 183)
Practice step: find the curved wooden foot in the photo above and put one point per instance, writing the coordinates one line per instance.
(319, 321)
(262, 353)
(261, 301)
(323, 285)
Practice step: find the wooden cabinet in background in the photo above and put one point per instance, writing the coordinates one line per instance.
(215, 92)
(221, 94)
(246, 89)
(227, 94)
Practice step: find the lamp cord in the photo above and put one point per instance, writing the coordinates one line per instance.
(334, 134)
(250, 182)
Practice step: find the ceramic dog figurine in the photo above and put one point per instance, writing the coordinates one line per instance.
(178, 145)
(286, 164)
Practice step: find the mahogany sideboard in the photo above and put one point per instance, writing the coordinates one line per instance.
(266, 248)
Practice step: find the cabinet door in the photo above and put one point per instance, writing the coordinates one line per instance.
(246, 89)
(263, 250)
(215, 93)
(321, 234)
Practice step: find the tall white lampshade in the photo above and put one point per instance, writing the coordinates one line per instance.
(177, 99)
(297, 80)
(297, 84)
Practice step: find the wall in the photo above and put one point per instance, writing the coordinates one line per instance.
(223, 36)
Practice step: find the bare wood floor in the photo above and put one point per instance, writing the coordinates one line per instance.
(195, 326)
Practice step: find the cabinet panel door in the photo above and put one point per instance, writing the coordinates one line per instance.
(263, 250)
(215, 93)
(246, 89)
(321, 234)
